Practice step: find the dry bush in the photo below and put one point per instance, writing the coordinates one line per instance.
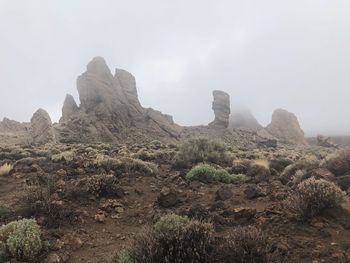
(312, 197)
(202, 150)
(290, 171)
(5, 169)
(41, 199)
(104, 186)
(247, 245)
(339, 164)
(186, 242)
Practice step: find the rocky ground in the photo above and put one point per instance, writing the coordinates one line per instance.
(91, 200)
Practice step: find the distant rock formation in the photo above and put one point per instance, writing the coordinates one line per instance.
(11, 126)
(41, 128)
(69, 108)
(325, 142)
(244, 119)
(14, 132)
(285, 127)
(110, 109)
(221, 107)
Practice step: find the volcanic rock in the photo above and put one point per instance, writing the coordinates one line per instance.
(285, 127)
(110, 109)
(41, 128)
(221, 107)
(244, 119)
(13, 132)
(69, 108)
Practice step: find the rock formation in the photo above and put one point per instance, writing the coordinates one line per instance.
(41, 128)
(13, 132)
(110, 109)
(325, 142)
(221, 107)
(69, 108)
(244, 119)
(285, 127)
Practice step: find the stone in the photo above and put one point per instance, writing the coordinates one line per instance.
(42, 131)
(100, 217)
(70, 107)
(325, 142)
(223, 193)
(222, 110)
(167, 198)
(254, 191)
(110, 110)
(286, 128)
(244, 119)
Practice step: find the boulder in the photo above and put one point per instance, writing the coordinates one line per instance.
(221, 107)
(325, 142)
(41, 128)
(69, 108)
(285, 127)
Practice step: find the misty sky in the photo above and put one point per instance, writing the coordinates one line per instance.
(266, 54)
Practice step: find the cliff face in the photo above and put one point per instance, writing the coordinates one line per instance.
(285, 127)
(109, 107)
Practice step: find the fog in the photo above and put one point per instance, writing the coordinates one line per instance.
(265, 54)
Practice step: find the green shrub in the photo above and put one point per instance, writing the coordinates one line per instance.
(170, 222)
(4, 211)
(314, 196)
(66, 156)
(124, 256)
(22, 240)
(207, 173)
(130, 165)
(201, 150)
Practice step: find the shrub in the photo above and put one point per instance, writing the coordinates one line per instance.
(66, 156)
(201, 150)
(103, 186)
(39, 198)
(207, 173)
(247, 245)
(22, 240)
(5, 169)
(314, 196)
(125, 165)
(130, 165)
(339, 164)
(192, 242)
(124, 256)
(170, 222)
(4, 211)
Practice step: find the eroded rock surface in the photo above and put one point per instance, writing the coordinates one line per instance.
(69, 108)
(41, 128)
(221, 107)
(285, 127)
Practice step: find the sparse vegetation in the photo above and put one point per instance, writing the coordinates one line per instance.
(202, 150)
(192, 242)
(5, 169)
(247, 245)
(207, 173)
(338, 163)
(103, 186)
(170, 222)
(21, 240)
(312, 197)
(4, 211)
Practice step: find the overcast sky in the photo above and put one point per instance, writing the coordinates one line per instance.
(266, 54)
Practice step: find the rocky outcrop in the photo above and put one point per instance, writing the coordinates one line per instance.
(325, 142)
(244, 119)
(41, 128)
(285, 127)
(14, 132)
(69, 108)
(110, 109)
(221, 107)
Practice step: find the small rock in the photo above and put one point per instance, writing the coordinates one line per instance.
(253, 191)
(167, 198)
(100, 217)
(223, 193)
